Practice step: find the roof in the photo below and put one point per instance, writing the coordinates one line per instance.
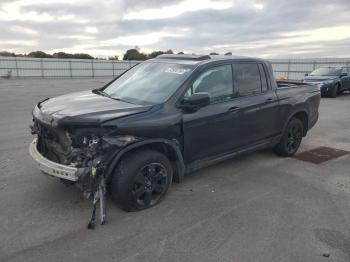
(196, 59)
(184, 57)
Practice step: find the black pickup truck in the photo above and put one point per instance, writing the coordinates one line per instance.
(164, 118)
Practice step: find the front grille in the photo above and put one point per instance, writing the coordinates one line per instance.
(53, 143)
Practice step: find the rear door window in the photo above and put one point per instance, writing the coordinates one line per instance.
(248, 78)
(264, 85)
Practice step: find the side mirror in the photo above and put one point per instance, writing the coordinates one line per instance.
(196, 101)
(343, 74)
(306, 74)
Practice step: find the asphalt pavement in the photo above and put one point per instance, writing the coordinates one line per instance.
(258, 207)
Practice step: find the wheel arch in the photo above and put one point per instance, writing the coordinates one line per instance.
(167, 147)
(338, 85)
(303, 116)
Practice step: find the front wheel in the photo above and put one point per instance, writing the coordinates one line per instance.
(335, 91)
(141, 180)
(291, 138)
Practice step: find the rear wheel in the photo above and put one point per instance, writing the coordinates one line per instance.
(141, 180)
(291, 138)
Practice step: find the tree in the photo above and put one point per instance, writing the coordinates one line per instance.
(72, 56)
(39, 54)
(113, 57)
(134, 54)
(180, 53)
(5, 53)
(82, 56)
(157, 53)
(213, 53)
(228, 53)
(61, 55)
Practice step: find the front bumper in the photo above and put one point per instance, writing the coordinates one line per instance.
(325, 88)
(51, 168)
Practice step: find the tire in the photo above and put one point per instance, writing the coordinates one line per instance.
(291, 138)
(340, 91)
(141, 180)
(335, 91)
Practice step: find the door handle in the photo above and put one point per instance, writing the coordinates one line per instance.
(234, 109)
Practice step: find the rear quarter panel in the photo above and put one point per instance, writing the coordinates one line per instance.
(295, 99)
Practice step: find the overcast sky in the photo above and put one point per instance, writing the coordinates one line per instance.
(264, 28)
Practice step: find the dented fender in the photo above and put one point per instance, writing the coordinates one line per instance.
(173, 144)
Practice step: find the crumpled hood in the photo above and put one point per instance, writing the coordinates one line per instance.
(84, 108)
(319, 78)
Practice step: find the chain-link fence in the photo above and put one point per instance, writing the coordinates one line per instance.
(295, 69)
(21, 67)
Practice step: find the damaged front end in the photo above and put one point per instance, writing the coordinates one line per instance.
(77, 155)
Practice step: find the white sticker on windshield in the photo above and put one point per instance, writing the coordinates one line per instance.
(178, 71)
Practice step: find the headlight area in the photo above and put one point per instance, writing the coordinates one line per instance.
(95, 143)
(86, 145)
(94, 149)
(326, 86)
(328, 82)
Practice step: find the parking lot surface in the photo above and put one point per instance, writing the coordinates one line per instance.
(258, 207)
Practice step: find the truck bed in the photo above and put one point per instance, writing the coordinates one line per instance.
(288, 84)
(300, 95)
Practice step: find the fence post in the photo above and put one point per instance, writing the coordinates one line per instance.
(17, 72)
(92, 68)
(113, 68)
(70, 69)
(288, 68)
(42, 68)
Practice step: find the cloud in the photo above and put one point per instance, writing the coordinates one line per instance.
(142, 39)
(177, 9)
(265, 28)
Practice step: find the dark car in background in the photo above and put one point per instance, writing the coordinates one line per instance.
(332, 80)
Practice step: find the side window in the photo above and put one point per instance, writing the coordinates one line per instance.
(216, 81)
(263, 78)
(248, 78)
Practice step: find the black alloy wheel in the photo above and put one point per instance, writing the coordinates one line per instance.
(150, 184)
(294, 138)
(291, 138)
(141, 180)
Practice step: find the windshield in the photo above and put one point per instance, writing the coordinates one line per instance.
(327, 71)
(149, 83)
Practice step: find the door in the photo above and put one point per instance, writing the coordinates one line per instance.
(259, 107)
(211, 130)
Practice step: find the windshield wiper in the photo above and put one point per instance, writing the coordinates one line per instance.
(102, 93)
